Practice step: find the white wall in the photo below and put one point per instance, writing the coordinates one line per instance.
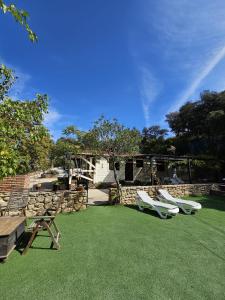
(102, 172)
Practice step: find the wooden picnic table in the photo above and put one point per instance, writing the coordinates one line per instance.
(11, 229)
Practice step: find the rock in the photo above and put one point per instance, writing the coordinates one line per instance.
(48, 199)
(40, 199)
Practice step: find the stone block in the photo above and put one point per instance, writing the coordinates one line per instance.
(48, 199)
(40, 199)
(39, 205)
(32, 201)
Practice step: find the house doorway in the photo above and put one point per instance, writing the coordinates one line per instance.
(129, 170)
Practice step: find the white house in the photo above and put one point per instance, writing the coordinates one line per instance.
(139, 168)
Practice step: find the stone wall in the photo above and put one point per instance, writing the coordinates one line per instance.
(39, 201)
(129, 193)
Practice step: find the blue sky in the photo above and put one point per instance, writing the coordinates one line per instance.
(135, 60)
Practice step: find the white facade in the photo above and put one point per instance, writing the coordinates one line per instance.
(103, 173)
(138, 169)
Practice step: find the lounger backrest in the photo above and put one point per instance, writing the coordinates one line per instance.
(18, 198)
(145, 197)
(165, 194)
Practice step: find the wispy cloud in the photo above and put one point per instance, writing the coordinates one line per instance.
(187, 40)
(52, 117)
(21, 89)
(51, 121)
(187, 24)
(55, 121)
(210, 65)
(149, 89)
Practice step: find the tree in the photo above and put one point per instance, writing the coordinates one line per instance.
(110, 139)
(21, 127)
(20, 16)
(200, 126)
(154, 140)
(70, 142)
(24, 141)
(37, 155)
(7, 78)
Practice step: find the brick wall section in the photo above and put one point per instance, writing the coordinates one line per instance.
(129, 193)
(20, 181)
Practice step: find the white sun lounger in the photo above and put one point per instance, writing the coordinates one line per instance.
(143, 200)
(186, 206)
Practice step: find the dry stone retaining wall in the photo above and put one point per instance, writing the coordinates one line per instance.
(39, 201)
(129, 193)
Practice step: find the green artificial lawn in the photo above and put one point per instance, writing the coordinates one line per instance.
(116, 252)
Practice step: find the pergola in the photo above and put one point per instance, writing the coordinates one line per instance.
(84, 166)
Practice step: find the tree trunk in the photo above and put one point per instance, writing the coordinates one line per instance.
(119, 192)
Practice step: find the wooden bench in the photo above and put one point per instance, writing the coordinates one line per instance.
(11, 229)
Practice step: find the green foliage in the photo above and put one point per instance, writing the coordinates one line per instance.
(20, 16)
(200, 130)
(72, 131)
(106, 138)
(206, 169)
(71, 142)
(174, 164)
(21, 130)
(200, 126)
(60, 149)
(154, 140)
(111, 139)
(8, 161)
(7, 79)
(37, 155)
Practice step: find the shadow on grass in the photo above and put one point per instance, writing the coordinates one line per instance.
(99, 203)
(212, 251)
(210, 225)
(146, 211)
(212, 202)
(23, 241)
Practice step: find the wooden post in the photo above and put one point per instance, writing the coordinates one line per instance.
(70, 171)
(189, 170)
(152, 169)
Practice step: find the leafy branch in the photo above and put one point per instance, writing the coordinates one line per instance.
(20, 16)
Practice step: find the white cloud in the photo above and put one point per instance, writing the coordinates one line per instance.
(210, 65)
(149, 90)
(21, 89)
(52, 117)
(185, 23)
(51, 121)
(190, 40)
(55, 121)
